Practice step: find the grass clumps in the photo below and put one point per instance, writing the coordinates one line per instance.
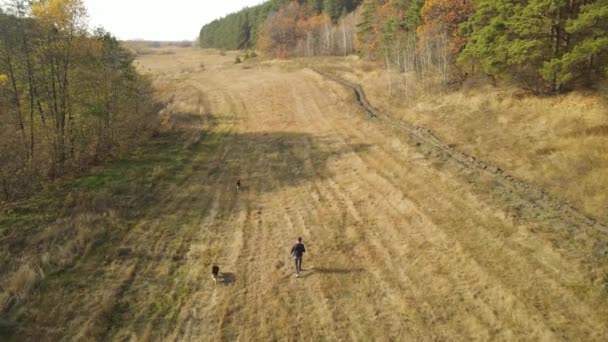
(80, 224)
(22, 281)
(249, 54)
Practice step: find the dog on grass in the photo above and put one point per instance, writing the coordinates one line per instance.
(215, 273)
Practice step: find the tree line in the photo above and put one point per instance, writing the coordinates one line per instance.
(242, 30)
(68, 98)
(550, 45)
(544, 45)
(292, 31)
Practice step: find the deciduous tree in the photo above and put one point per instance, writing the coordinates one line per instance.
(68, 98)
(444, 17)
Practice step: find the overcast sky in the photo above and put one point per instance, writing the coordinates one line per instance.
(159, 19)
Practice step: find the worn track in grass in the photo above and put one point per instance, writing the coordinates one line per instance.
(540, 201)
(405, 241)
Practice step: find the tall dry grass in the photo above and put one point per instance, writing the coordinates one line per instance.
(57, 247)
(558, 142)
(20, 283)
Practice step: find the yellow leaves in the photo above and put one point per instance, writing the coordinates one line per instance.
(64, 14)
(318, 21)
(3, 78)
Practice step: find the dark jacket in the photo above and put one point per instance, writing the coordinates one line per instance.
(298, 250)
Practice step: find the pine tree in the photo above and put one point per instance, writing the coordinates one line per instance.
(413, 15)
(367, 33)
(548, 45)
(587, 60)
(332, 9)
(314, 7)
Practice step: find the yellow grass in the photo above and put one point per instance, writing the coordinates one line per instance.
(401, 246)
(557, 142)
(22, 281)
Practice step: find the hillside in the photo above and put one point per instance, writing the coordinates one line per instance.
(556, 142)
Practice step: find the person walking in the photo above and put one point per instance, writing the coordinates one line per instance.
(297, 252)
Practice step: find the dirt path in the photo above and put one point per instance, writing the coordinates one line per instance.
(402, 245)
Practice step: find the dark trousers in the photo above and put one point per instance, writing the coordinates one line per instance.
(298, 264)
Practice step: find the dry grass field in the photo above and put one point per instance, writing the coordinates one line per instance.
(559, 142)
(401, 245)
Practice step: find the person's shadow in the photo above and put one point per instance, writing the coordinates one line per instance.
(330, 270)
(228, 278)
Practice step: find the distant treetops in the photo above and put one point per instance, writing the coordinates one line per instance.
(242, 29)
(547, 45)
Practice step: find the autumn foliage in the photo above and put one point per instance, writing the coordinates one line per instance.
(68, 98)
(291, 31)
(543, 45)
(63, 14)
(445, 17)
(282, 30)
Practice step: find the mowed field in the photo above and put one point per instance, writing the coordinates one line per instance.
(401, 245)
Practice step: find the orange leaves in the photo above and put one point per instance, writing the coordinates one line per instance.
(314, 25)
(444, 17)
(282, 30)
(318, 22)
(291, 32)
(374, 15)
(384, 10)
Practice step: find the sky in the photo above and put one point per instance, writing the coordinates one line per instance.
(159, 19)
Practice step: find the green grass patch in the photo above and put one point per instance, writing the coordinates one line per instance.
(158, 161)
(100, 209)
(164, 151)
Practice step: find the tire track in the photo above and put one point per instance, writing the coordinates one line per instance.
(401, 245)
(376, 249)
(484, 238)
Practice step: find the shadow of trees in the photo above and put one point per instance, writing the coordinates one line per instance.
(267, 161)
(151, 204)
(263, 161)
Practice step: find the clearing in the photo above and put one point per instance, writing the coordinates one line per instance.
(402, 243)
